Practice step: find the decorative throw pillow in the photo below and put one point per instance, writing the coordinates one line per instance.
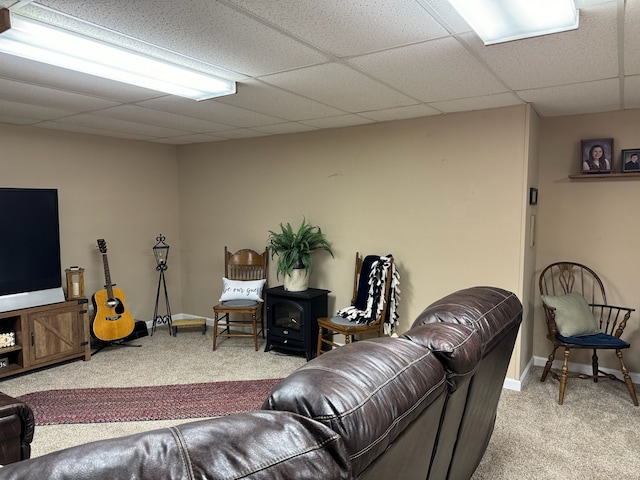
(242, 290)
(573, 315)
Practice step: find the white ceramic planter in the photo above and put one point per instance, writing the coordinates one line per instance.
(298, 281)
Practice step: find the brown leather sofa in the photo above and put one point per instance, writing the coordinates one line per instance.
(16, 430)
(421, 406)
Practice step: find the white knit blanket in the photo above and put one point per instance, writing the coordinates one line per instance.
(376, 298)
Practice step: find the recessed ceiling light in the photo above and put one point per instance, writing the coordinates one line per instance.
(497, 21)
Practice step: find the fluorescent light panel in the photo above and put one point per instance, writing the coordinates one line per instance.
(44, 43)
(497, 21)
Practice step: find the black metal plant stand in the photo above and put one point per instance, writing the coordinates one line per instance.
(161, 253)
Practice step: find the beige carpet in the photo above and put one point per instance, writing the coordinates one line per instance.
(594, 435)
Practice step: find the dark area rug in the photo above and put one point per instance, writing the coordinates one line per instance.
(129, 404)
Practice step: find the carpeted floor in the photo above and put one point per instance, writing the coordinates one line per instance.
(594, 435)
(162, 360)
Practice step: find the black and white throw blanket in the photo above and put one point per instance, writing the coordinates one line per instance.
(370, 295)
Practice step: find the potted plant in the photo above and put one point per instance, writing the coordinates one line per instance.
(294, 249)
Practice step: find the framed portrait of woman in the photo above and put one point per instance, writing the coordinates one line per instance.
(596, 155)
(631, 161)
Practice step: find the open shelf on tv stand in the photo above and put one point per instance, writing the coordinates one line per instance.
(45, 335)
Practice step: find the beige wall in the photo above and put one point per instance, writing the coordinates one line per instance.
(595, 222)
(443, 194)
(447, 195)
(122, 191)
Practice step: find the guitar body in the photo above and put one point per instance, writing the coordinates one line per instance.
(113, 321)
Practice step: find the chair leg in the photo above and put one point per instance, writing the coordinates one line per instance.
(547, 366)
(594, 365)
(319, 349)
(255, 330)
(627, 378)
(563, 376)
(215, 330)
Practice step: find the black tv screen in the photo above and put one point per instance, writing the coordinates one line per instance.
(29, 240)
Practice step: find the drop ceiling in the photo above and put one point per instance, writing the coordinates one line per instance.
(304, 65)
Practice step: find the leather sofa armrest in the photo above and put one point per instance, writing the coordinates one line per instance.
(17, 430)
(255, 445)
(458, 347)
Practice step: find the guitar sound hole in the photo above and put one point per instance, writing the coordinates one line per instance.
(119, 307)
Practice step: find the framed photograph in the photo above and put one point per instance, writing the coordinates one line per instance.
(631, 160)
(596, 155)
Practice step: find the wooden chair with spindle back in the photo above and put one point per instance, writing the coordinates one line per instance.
(245, 265)
(329, 326)
(578, 317)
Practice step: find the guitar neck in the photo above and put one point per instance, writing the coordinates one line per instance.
(107, 276)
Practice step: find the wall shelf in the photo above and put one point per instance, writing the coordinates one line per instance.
(586, 176)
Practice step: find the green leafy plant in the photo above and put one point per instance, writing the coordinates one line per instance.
(294, 248)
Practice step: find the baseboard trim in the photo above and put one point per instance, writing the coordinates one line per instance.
(516, 384)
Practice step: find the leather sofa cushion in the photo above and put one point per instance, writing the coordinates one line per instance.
(258, 445)
(458, 347)
(489, 310)
(368, 392)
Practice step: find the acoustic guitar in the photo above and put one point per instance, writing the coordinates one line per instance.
(112, 321)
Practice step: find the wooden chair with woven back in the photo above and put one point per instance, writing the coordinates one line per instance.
(242, 301)
(578, 317)
(363, 296)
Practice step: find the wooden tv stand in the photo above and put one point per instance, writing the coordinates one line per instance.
(45, 336)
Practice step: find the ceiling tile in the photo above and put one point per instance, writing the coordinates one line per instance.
(115, 125)
(289, 127)
(601, 96)
(632, 38)
(449, 15)
(26, 110)
(68, 127)
(338, 122)
(241, 133)
(418, 70)
(169, 120)
(212, 111)
(478, 103)
(47, 97)
(212, 32)
(632, 92)
(261, 97)
(348, 89)
(352, 27)
(589, 53)
(421, 59)
(189, 139)
(400, 113)
(16, 120)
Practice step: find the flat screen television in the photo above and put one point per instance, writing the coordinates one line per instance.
(30, 272)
